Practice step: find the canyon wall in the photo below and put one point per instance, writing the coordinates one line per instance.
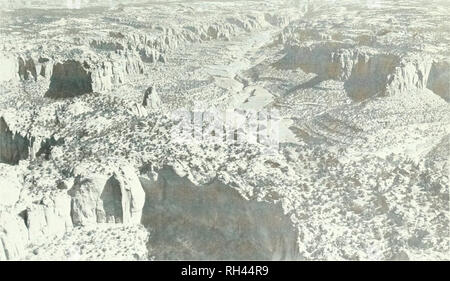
(115, 58)
(213, 221)
(367, 73)
(13, 146)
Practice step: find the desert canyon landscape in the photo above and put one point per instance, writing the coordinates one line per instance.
(224, 130)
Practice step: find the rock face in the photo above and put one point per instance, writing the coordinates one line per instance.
(80, 75)
(148, 54)
(48, 218)
(118, 198)
(24, 68)
(213, 221)
(439, 79)
(114, 71)
(13, 146)
(44, 220)
(13, 236)
(367, 73)
(76, 77)
(370, 76)
(27, 69)
(151, 99)
(69, 79)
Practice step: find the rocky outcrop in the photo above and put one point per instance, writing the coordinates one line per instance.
(247, 24)
(367, 73)
(439, 79)
(151, 99)
(117, 198)
(98, 198)
(76, 77)
(213, 221)
(27, 69)
(114, 71)
(372, 75)
(148, 54)
(19, 145)
(46, 146)
(13, 236)
(48, 218)
(84, 74)
(13, 146)
(106, 45)
(69, 79)
(328, 60)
